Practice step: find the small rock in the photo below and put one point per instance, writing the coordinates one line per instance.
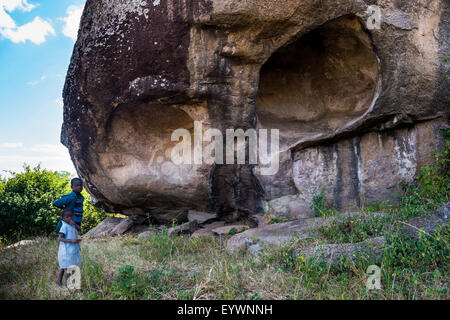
(214, 225)
(200, 217)
(21, 243)
(249, 241)
(426, 224)
(226, 229)
(444, 211)
(206, 230)
(255, 249)
(202, 233)
(188, 227)
(144, 234)
(137, 229)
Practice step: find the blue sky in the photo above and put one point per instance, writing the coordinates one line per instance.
(36, 43)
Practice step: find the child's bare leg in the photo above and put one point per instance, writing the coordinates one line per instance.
(66, 275)
(60, 277)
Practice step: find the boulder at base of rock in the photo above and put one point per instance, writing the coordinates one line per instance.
(188, 227)
(284, 232)
(230, 229)
(168, 217)
(201, 217)
(144, 234)
(426, 224)
(127, 224)
(104, 228)
(206, 231)
(274, 233)
(334, 253)
(290, 206)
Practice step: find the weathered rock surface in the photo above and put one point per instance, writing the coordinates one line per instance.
(290, 206)
(201, 217)
(370, 249)
(207, 230)
(113, 226)
(227, 229)
(168, 217)
(255, 249)
(358, 110)
(144, 234)
(104, 228)
(426, 224)
(284, 232)
(188, 227)
(21, 243)
(127, 224)
(275, 233)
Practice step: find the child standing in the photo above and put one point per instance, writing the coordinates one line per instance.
(69, 249)
(73, 201)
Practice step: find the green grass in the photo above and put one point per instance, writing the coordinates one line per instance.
(175, 267)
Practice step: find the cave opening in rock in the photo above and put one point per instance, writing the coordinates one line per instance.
(320, 82)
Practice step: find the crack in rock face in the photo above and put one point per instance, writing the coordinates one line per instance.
(357, 108)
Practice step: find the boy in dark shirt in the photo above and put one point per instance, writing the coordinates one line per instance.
(72, 201)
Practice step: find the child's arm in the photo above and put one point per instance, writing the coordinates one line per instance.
(62, 202)
(61, 238)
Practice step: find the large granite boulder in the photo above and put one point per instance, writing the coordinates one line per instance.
(358, 107)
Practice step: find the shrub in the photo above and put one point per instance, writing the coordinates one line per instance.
(26, 203)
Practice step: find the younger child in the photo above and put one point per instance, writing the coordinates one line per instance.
(72, 201)
(69, 249)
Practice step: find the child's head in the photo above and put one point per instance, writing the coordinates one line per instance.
(67, 215)
(76, 184)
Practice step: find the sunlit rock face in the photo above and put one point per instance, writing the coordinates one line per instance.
(358, 109)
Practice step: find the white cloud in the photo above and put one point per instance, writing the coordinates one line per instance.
(11, 145)
(11, 5)
(48, 148)
(50, 156)
(35, 31)
(72, 21)
(5, 20)
(15, 163)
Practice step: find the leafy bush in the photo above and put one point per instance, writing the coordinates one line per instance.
(26, 203)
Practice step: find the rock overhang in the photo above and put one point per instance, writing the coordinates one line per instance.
(207, 60)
